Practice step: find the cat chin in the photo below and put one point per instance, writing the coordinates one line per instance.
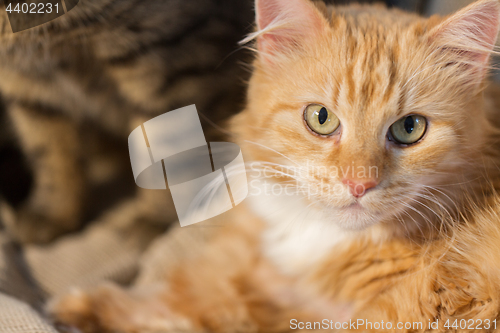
(354, 217)
(299, 235)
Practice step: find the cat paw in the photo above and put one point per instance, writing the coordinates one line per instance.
(73, 313)
(111, 309)
(228, 318)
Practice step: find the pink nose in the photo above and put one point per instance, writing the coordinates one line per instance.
(358, 187)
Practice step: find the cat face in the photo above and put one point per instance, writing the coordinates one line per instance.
(368, 113)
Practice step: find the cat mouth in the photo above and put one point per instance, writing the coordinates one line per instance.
(354, 207)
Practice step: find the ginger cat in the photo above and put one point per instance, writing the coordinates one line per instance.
(372, 146)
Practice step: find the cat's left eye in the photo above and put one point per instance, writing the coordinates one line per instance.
(408, 130)
(321, 120)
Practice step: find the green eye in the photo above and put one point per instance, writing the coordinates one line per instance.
(409, 129)
(321, 120)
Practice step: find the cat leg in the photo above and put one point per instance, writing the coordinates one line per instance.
(109, 308)
(50, 144)
(212, 287)
(153, 309)
(402, 287)
(207, 305)
(437, 302)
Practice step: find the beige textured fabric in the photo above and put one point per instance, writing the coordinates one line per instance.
(83, 260)
(19, 317)
(15, 278)
(109, 249)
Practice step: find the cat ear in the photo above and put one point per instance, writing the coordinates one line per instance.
(471, 34)
(284, 25)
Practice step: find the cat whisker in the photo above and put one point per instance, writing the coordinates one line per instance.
(414, 221)
(426, 218)
(434, 200)
(429, 189)
(417, 224)
(273, 150)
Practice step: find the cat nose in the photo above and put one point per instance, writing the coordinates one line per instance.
(359, 187)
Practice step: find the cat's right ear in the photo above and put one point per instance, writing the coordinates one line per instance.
(284, 26)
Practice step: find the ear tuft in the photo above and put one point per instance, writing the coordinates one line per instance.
(283, 25)
(471, 33)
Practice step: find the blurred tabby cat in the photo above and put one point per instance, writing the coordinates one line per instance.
(417, 241)
(75, 87)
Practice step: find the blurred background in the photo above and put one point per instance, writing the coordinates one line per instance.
(174, 53)
(424, 7)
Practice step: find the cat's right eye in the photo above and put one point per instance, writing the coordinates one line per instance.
(321, 120)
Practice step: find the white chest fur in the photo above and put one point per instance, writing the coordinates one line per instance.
(297, 235)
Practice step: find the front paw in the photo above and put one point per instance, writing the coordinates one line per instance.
(110, 309)
(74, 312)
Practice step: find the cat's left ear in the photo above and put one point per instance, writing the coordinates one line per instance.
(470, 34)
